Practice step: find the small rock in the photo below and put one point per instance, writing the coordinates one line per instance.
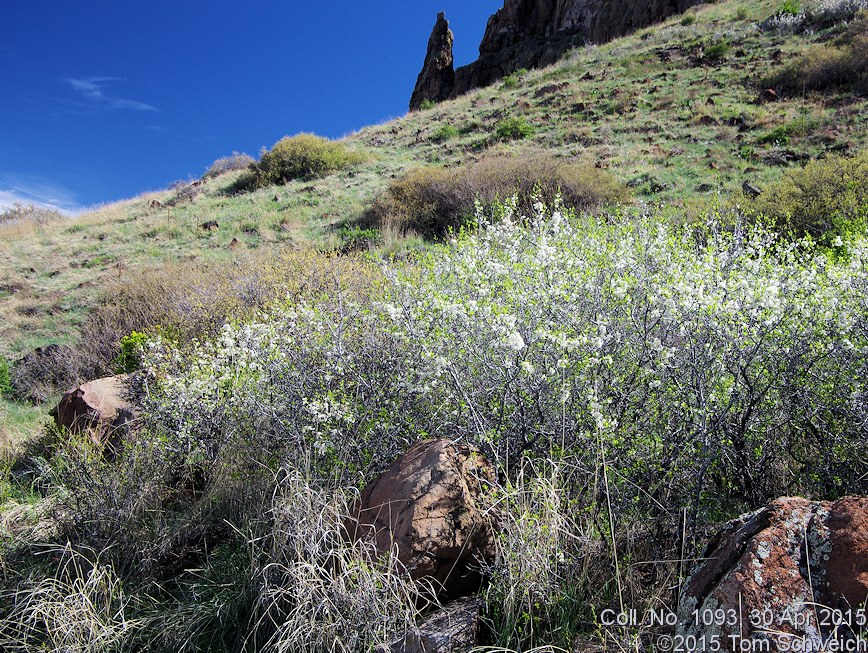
(704, 188)
(549, 89)
(775, 159)
(769, 95)
(451, 629)
(749, 189)
(211, 225)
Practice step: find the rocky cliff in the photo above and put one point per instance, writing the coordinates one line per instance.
(534, 33)
(436, 82)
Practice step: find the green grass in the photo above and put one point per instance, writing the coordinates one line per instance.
(20, 424)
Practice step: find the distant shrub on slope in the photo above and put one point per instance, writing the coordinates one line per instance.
(21, 214)
(231, 163)
(433, 201)
(843, 64)
(513, 128)
(304, 156)
(824, 197)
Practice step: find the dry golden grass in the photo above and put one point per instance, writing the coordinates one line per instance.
(189, 300)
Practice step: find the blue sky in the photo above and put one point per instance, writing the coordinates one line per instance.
(105, 99)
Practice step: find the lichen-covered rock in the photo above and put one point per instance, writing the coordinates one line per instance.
(427, 504)
(437, 79)
(776, 572)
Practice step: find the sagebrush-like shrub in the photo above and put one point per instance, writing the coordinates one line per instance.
(434, 201)
(304, 156)
(824, 197)
(513, 128)
(231, 163)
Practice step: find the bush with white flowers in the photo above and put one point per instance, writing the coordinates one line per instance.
(710, 369)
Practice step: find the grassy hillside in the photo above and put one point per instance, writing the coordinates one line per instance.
(671, 353)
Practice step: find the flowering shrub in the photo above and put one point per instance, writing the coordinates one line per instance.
(19, 213)
(715, 369)
(680, 375)
(831, 12)
(818, 14)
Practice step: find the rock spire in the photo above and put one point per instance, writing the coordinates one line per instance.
(436, 82)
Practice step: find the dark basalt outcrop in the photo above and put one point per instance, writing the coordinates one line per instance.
(437, 79)
(535, 33)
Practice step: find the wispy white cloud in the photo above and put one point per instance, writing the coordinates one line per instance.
(91, 89)
(184, 137)
(39, 192)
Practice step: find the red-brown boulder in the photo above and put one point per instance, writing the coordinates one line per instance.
(427, 504)
(772, 580)
(100, 407)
